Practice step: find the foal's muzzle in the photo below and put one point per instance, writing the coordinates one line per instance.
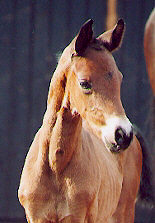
(122, 139)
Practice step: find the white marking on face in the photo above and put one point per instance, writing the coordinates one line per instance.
(112, 123)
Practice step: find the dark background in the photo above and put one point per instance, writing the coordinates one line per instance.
(32, 33)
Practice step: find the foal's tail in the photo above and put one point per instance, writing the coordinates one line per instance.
(146, 190)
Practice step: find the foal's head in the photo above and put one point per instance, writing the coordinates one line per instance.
(93, 84)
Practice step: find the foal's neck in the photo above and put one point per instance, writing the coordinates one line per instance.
(118, 157)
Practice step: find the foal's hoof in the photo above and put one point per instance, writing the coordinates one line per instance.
(69, 115)
(75, 113)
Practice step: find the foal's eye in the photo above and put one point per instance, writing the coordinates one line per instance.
(86, 85)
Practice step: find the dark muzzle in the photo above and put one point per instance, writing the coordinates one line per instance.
(122, 139)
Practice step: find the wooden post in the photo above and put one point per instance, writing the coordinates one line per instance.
(111, 14)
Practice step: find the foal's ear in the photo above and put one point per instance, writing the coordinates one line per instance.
(112, 39)
(84, 37)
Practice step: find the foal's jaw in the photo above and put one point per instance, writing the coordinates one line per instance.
(117, 134)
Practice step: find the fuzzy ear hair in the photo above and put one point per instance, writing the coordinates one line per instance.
(112, 39)
(84, 37)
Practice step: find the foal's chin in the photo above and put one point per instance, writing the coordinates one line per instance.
(114, 147)
(117, 148)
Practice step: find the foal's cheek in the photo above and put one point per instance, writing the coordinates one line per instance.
(80, 104)
(79, 101)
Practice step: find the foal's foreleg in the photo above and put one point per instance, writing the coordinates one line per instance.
(64, 139)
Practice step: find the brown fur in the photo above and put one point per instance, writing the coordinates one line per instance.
(149, 48)
(69, 175)
(149, 53)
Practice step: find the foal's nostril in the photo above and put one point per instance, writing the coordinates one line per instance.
(122, 139)
(119, 136)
